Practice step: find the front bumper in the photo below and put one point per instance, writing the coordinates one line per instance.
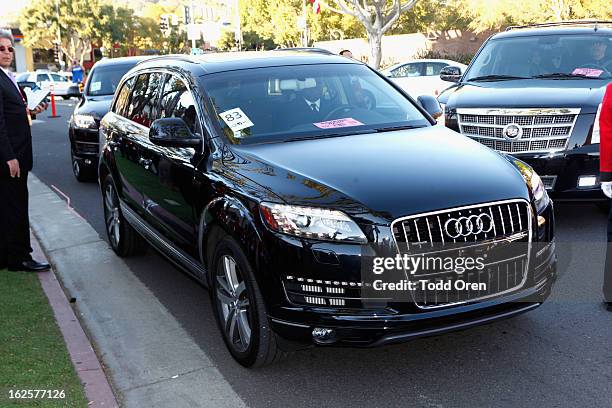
(564, 170)
(390, 323)
(85, 146)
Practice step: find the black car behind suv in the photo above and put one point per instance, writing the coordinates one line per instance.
(535, 92)
(270, 179)
(93, 105)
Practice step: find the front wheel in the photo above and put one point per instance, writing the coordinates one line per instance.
(239, 307)
(81, 172)
(124, 240)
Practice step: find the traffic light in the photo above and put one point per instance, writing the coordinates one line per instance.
(56, 52)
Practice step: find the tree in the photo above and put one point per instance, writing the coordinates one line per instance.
(496, 14)
(80, 23)
(377, 17)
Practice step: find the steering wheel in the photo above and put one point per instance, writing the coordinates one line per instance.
(340, 109)
(595, 66)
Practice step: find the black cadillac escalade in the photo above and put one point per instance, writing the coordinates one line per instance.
(270, 179)
(535, 92)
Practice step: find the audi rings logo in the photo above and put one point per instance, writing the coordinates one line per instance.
(512, 131)
(465, 226)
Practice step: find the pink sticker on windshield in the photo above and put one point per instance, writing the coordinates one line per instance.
(590, 72)
(338, 123)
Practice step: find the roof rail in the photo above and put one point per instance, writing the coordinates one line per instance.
(595, 23)
(181, 57)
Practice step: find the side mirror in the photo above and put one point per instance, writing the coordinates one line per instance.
(431, 105)
(173, 132)
(450, 74)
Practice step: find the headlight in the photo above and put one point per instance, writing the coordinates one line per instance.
(540, 196)
(84, 121)
(311, 222)
(595, 136)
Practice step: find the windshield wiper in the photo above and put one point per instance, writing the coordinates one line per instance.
(563, 75)
(496, 78)
(393, 128)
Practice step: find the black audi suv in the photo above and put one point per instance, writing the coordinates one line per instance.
(535, 92)
(270, 179)
(95, 102)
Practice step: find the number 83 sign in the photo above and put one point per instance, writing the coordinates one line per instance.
(236, 119)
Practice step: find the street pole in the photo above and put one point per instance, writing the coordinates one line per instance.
(238, 33)
(59, 34)
(193, 41)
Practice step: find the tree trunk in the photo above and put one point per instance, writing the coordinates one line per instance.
(375, 41)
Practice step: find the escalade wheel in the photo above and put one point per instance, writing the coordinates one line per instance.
(124, 240)
(239, 307)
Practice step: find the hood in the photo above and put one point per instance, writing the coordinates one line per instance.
(586, 94)
(386, 175)
(97, 106)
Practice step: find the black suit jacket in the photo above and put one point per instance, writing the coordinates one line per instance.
(15, 135)
(302, 108)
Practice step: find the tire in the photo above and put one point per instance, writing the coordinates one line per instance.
(81, 173)
(239, 308)
(124, 240)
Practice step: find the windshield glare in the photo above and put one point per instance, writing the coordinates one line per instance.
(293, 102)
(579, 55)
(104, 80)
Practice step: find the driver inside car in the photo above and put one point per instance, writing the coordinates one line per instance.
(597, 54)
(310, 102)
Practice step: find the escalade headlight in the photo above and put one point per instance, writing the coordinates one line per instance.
(534, 182)
(595, 137)
(312, 222)
(84, 121)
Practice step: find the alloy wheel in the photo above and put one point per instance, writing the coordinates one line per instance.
(233, 303)
(112, 215)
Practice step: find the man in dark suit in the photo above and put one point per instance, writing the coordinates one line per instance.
(15, 163)
(310, 103)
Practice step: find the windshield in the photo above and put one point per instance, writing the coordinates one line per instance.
(587, 56)
(295, 102)
(104, 80)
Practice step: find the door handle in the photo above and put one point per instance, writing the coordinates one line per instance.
(146, 163)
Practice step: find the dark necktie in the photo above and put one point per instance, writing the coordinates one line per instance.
(314, 108)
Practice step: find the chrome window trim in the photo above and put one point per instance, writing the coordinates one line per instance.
(519, 111)
(487, 204)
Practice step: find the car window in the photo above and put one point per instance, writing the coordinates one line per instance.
(124, 97)
(407, 70)
(58, 78)
(296, 101)
(177, 102)
(533, 56)
(42, 77)
(104, 79)
(434, 68)
(143, 102)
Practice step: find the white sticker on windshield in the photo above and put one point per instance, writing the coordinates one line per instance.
(237, 120)
(95, 86)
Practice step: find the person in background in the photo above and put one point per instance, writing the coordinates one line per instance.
(15, 163)
(346, 53)
(77, 72)
(605, 174)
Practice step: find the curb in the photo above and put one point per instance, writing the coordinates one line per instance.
(150, 359)
(96, 385)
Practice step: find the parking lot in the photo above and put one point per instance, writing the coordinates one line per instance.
(557, 355)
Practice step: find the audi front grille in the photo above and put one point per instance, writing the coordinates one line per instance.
(534, 130)
(500, 232)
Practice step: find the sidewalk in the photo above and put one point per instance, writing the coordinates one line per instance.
(151, 360)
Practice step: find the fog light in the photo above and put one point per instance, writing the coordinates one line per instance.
(324, 336)
(88, 162)
(587, 181)
(541, 221)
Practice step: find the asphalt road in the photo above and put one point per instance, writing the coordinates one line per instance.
(556, 356)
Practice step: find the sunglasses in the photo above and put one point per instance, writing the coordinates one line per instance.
(3, 49)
